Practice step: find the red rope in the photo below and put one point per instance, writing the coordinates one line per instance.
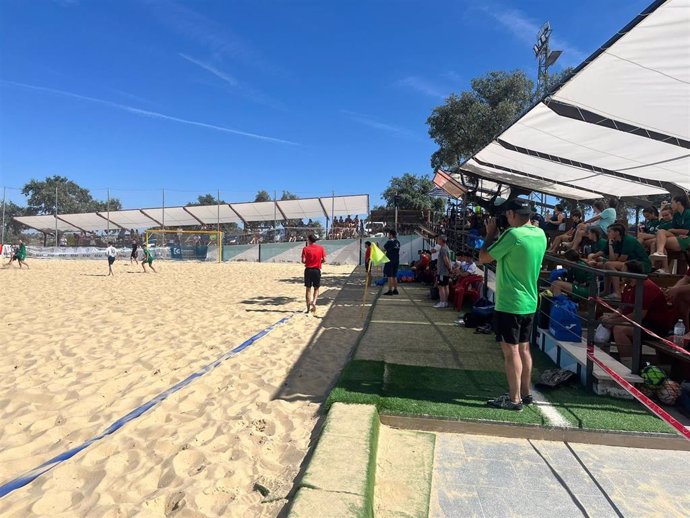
(667, 342)
(651, 405)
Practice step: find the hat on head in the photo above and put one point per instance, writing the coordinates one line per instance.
(517, 205)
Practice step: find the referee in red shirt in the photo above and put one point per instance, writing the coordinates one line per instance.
(313, 256)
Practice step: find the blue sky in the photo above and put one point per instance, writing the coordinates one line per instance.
(305, 96)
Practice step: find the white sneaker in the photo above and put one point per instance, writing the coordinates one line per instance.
(440, 305)
(657, 255)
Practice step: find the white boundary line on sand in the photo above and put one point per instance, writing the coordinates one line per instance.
(550, 412)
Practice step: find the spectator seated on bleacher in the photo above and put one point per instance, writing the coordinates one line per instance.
(464, 266)
(603, 217)
(567, 238)
(619, 249)
(576, 282)
(646, 231)
(676, 238)
(555, 220)
(679, 296)
(657, 314)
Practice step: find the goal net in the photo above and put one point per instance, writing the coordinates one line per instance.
(196, 245)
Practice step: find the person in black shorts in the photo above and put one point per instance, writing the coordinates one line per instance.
(390, 269)
(133, 256)
(313, 256)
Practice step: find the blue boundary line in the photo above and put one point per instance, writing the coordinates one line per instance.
(32, 475)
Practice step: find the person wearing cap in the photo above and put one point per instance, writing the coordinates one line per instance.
(518, 254)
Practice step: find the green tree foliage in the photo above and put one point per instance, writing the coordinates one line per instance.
(71, 197)
(414, 192)
(262, 196)
(13, 228)
(468, 121)
(287, 195)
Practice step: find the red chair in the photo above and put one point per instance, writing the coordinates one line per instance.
(469, 287)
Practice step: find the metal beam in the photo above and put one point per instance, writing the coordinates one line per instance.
(280, 210)
(109, 220)
(238, 214)
(152, 219)
(575, 112)
(323, 208)
(192, 215)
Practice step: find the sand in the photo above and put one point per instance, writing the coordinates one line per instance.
(80, 350)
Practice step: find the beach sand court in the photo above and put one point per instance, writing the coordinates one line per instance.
(80, 350)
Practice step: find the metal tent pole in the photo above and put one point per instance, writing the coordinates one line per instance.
(163, 218)
(275, 216)
(220, 241)
(56, 216)
(2, 232)
(108, 221)
(332, 212)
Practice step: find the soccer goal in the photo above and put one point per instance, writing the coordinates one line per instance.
(199, 245)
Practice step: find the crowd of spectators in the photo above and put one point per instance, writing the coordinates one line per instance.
(348, 228)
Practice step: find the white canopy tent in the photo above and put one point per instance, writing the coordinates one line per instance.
(619, 126)
(308, 208)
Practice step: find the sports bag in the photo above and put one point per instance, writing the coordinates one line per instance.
(564, 322)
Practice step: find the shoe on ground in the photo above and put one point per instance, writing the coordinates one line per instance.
(389, 292)
(528, 399)
(395, 292)
(657, 255)
(439, 305)
(504, 403)
(612, 296)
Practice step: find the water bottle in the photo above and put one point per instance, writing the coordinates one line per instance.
(678, 332)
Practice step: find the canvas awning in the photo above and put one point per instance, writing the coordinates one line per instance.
(619, 126)
(308, 208)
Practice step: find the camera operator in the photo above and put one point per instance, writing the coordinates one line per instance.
(518, 253)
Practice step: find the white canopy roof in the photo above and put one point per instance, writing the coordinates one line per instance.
(620, 126)
(203, 215)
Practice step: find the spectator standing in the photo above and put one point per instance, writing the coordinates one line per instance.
(603, 217)
(313, 256)
(518, 253)
(390, 269)
(443, 273)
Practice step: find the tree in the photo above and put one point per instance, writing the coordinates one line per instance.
(466, 122)
(262, 196)
(414, 192)
(287, 195)
(13, 228)
(71, 198)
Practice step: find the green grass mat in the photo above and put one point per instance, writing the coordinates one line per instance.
(462, 394)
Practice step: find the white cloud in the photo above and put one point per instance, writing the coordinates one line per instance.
(209, 68)
(366, 120)
(422, 85)
(147, 113)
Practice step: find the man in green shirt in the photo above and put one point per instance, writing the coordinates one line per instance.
(518, 253)
(621, 248)
(675, 238)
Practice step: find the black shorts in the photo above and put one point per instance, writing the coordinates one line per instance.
(312, 277)
(366, 265)
(134, 253)
(511, 328)
(111, 260)
(390, 269)
(442, 280)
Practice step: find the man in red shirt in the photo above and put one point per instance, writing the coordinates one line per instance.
(313, 256)
(657, 315)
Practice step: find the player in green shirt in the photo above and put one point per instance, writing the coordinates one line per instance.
(621, 248)
(19, 255)
(148, 258)
(675, 238)
(576, 281)
(518, 253)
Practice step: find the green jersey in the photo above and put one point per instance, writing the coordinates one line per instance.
(21, 253)
(665, 225)
(681, 219)
(580, 277)
(519, 253)
(630, 247)
(651, 225)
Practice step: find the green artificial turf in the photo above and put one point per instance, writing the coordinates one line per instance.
(462, 394)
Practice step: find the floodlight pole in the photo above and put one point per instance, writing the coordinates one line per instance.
(275, 216)
(163, 218)
(108, 220)
(332, 211)
(56, 216)
(2, 232)
(220, 241)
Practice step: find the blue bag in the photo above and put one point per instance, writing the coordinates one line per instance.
(557, 274)
(565, 324)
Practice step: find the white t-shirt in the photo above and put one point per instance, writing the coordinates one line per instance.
(111, 251)
(470, 267)
(434, 252)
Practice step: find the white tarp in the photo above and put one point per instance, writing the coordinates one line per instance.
(89, 221)
(130, 219)
(302, 209)
(619, 127)
(214, 213)
(46, 223)
(172, 217)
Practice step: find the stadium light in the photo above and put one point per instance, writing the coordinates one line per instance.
(553, 57)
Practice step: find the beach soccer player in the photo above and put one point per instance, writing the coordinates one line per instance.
(133, 256)
(390, 269)
(111, 254)
(19, 255)
(518, 253)
(148, 258)
(313, 256)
